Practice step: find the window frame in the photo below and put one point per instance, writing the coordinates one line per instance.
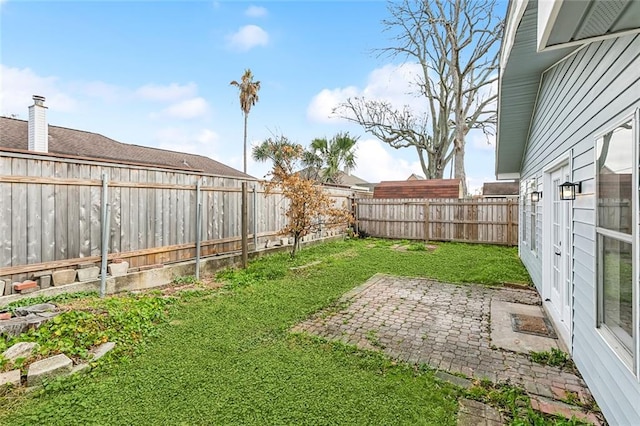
(630, 359)
(533, 219)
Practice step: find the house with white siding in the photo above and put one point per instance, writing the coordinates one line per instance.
(569, 129)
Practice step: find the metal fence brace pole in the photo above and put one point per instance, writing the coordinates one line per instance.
(198, 225)
(106, 218)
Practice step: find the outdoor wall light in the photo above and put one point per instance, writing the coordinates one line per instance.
(536, 196)
(568, 190)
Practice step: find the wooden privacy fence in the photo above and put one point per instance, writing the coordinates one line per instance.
(490, 221)
(52, 210)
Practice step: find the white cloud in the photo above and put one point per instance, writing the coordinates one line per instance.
(188, 109)
(18, 86)
(247, 38)
(320, 109)
(375, 164)
(255, 12)
(391, 83)
(171, 92)
(478, 140)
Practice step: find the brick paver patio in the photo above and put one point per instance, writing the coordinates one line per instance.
(446, 326)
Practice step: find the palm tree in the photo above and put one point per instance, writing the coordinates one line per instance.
(281, 151)
(328, 157)
(248, 98)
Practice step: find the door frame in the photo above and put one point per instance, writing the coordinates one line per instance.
(565, 330)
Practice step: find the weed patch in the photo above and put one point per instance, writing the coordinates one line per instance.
(554, 357)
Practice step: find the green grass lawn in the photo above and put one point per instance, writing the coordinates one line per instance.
(227, 357)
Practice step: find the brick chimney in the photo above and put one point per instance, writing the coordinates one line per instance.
(38, 128)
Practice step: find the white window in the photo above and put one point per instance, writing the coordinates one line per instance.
(616, 186)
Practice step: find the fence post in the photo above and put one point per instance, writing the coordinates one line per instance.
(509, 219)
(245, 237)
(198, 226)
(106, 218)
(426, 222)
(255, 218)
(354, 209)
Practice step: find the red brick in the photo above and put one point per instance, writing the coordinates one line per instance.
(25, 285)
(558, 393)
(5, 315)
(564, 410)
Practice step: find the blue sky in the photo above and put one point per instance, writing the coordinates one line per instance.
(157, 73)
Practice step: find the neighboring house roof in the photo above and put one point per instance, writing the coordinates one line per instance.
(500, 189)
(93, 146)
(415, 177)
(428, 188)
(537, 35)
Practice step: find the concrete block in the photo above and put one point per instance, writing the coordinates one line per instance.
(45, 281)
(100, 351)
(10, 378)
(30, 290)
(2, 286)
(118, 269)
(48, 368)
(20, 350)
(88, 274)
(65, 276)
(80, 368)
(42, 273)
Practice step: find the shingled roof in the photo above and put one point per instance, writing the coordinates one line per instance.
(93, 146)
(428, 188)
(500, 189)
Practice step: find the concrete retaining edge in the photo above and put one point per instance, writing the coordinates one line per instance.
(143, 280)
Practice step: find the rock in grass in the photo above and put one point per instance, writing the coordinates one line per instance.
(100, 351)
(80, 368)
(48, 368)
(23, 311)
(20, 350)
(10, 378)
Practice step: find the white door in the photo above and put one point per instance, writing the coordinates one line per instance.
(560, 244)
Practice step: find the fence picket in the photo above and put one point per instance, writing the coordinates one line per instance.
(482, 221)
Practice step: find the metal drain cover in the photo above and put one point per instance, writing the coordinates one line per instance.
(530, 324)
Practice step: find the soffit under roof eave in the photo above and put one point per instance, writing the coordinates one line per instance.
(518, 90)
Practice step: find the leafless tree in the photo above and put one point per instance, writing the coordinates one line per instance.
(456, 44)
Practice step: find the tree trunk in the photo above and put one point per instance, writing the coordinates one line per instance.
(246, 116)
(458, 160)
(296, 245)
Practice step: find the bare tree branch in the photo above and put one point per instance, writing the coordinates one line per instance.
(456, 44)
